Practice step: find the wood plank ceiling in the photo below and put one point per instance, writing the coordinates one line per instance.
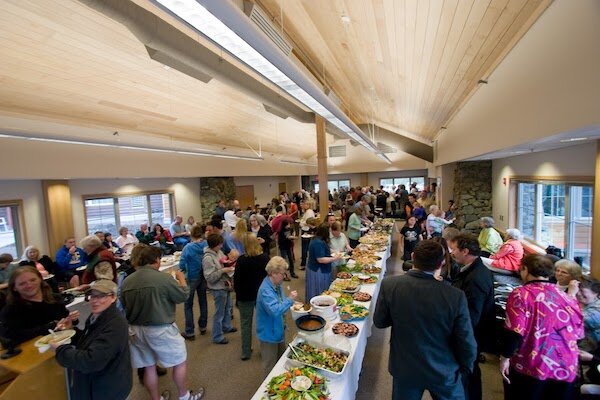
(67, 64)
(404, 64)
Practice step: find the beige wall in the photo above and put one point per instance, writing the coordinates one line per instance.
(569, 161)
(30, 192)
(267, 187)
(548, 84)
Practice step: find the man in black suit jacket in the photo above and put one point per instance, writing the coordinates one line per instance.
(478, 284)
(432, 341)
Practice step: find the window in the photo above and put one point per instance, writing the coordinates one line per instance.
(334, 185)
(390, 183)
(11, 232)
(108, 214)
(558, 214)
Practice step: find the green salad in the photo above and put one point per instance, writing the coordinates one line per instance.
(298, 384)
(324, 358)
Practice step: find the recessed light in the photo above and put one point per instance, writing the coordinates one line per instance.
(576, 139)
(346, 19)
(166, 67)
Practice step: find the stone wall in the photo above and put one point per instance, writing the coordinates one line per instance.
(211, 191)
(472, 193)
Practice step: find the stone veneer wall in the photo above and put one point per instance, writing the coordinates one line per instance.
(472, 193)
(211, 191)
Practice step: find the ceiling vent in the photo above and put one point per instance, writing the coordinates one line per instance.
(263, 21)
(385, 148)
(337, 151)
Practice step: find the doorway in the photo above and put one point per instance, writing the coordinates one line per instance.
(245, 195)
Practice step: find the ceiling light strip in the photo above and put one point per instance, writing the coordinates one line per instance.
(222, 22)
(131, 147)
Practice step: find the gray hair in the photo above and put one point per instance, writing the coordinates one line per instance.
(276, 264)
(488, 222)
(514, 233)
(27, 250)
(261, 219)
(90, 241)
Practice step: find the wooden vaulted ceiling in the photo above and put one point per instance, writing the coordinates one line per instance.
(65, 63)
(404, 64)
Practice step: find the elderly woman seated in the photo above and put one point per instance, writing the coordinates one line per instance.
(489, 238)
(507, 260)
(101, 261)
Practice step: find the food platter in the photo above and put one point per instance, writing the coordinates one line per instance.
(344, 275)
(345, 329)
(298, 384)
(341, 298)
(328, 359)
(362, 297)
(353, 312)
(345, 285)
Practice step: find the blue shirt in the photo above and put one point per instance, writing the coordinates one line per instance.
(228, 243)
(69, 262)
(271, 306)
(191, 260)
(317, 249)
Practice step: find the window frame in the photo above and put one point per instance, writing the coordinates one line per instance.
(115, 197)
(569, 182)
(410, 180)
(314, 183)
(21, 236)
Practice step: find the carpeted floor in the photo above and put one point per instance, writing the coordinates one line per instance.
(219, 369)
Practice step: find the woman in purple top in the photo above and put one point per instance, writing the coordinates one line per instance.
(543, 325)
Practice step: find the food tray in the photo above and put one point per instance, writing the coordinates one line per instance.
(298, 340)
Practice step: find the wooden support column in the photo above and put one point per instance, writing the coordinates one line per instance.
(59, 214)
(322, 167)
(595, 258)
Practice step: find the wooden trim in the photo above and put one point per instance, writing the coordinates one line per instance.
(595, 253)
(541, 179)
(21, 213)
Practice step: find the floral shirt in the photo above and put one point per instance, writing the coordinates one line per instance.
(591, 320)
(550, 323)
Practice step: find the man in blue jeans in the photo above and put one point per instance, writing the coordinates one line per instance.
(191, 265)
(181, 237)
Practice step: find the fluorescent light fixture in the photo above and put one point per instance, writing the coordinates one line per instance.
(262, 56)
(575, 139)
(298, 162)
(202, 153)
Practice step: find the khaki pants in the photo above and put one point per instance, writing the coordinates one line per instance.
(270, 353)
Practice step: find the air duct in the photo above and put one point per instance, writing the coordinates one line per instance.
(400, 142)
(168, 45)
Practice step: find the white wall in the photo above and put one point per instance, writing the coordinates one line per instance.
(30, 192)
(569, 161)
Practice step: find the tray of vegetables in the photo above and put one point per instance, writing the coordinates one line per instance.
(341, 298)
(330, 360)
(298, 384)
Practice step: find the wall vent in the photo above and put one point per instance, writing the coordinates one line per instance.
(263, 21)
(337, 151)
(385, 148)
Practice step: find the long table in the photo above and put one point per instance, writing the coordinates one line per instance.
(345, 386)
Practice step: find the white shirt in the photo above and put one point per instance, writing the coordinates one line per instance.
(126, 243)
(307, 214)
(230, 218)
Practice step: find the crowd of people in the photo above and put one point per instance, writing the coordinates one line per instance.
(548, 342)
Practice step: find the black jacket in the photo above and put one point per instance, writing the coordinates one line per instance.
(99, 361)
(432, 338)
(249, 274)
(478, 284)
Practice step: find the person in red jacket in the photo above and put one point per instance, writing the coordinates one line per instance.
(163, 236)
(507, 260)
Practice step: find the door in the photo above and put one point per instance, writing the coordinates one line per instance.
(245, 195)
(282, 187)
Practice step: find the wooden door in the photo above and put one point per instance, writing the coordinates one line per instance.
(245, 195)
(282, 187)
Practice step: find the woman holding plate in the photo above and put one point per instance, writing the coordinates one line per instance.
(318, 271)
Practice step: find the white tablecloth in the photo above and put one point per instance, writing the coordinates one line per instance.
(345, 386)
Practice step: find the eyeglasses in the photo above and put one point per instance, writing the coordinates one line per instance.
(99, 296)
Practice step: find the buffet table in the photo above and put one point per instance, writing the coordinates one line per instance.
(345, 386)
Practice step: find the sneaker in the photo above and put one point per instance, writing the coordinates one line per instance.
(188, 337)
(203, 332)
(294, 276)
(231, 330)
(196, 395)
(165, 395)
(223, 341)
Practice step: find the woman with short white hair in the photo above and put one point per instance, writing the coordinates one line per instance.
(489, 239)
(507, 259)
(101, 261)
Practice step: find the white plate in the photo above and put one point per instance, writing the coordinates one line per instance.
(82, 268)
(64, 337)
(49, 276)
(307, 236)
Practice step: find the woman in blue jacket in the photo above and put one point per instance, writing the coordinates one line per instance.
(271, 306)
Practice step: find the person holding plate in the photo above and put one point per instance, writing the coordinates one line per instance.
(98, 357)
(31, 307)
(318, 271)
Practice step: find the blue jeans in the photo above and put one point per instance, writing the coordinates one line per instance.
(304, 244)
(181, 241)
(222, 317)
(196, 286)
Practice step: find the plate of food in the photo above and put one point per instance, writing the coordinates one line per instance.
(345, 285)
(361, 296)
(341, 298)
(313, 354)
(58, 337)
(369, 269)
(344, 275)
(372, 279)
(306, 236)
(353, 312)
(345, 329)
(298, 384)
